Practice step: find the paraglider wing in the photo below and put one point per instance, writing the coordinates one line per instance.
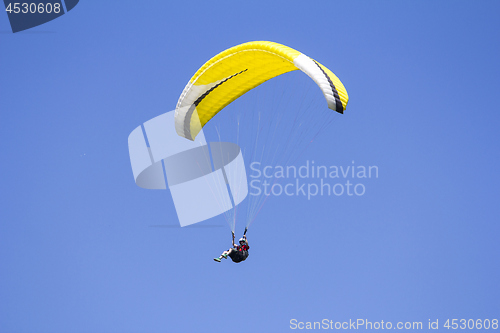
(239, 69)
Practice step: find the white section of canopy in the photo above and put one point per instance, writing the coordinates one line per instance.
(308, 66)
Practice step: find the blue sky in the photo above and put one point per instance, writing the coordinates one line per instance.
(83, 249)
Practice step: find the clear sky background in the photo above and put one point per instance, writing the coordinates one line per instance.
(82, 248)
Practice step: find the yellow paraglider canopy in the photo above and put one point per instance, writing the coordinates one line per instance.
(241, 68)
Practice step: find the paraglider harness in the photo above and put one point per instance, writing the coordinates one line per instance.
(240, 252)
